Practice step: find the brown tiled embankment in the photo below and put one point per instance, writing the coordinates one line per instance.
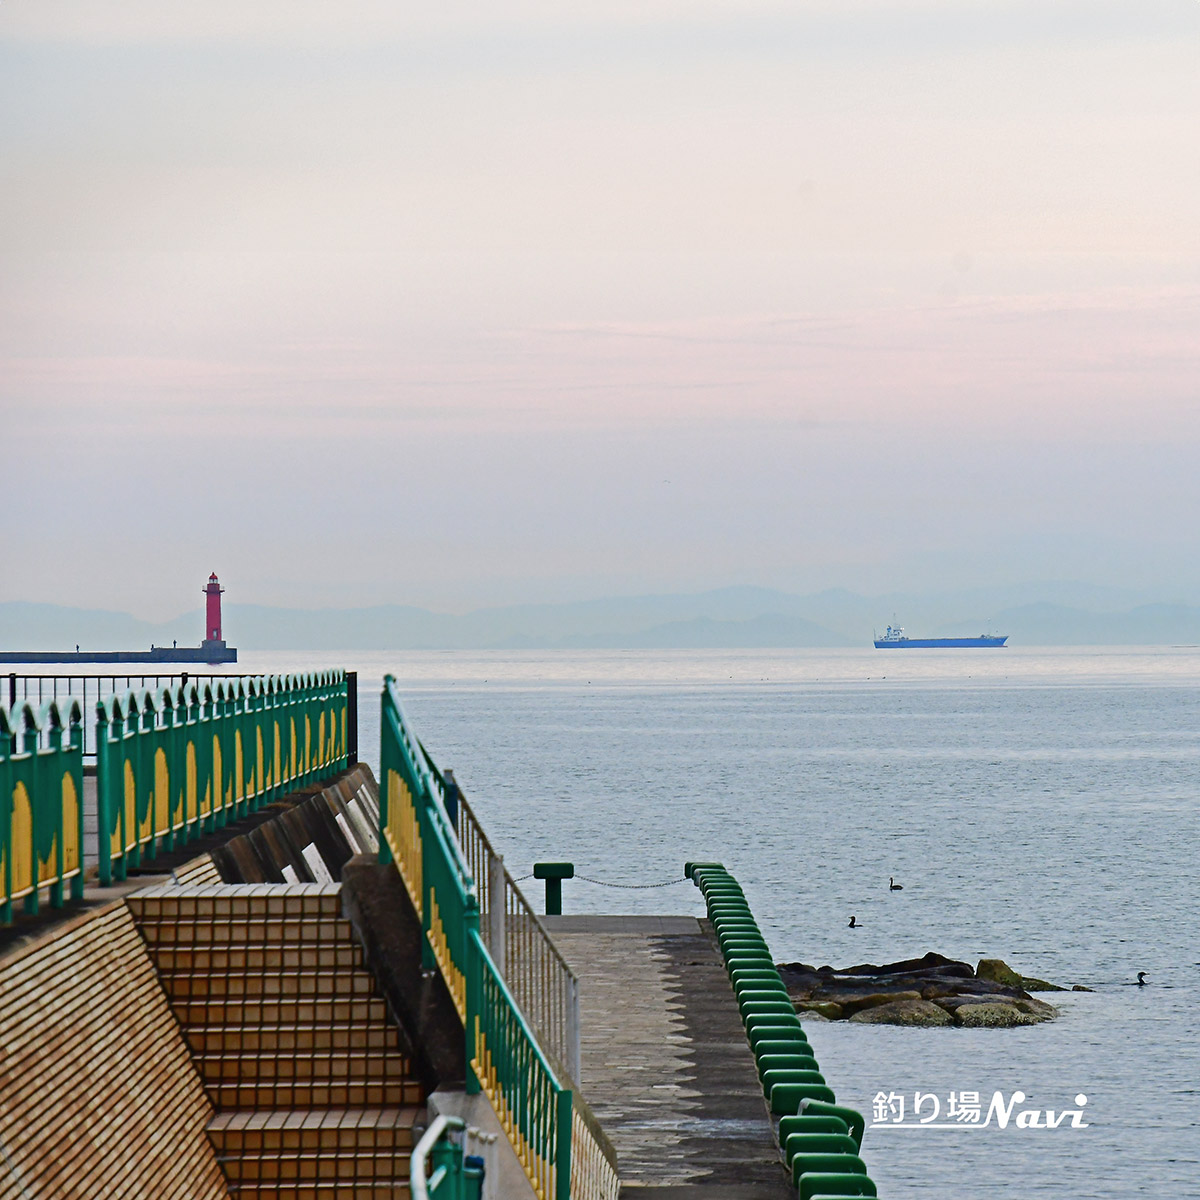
(293, 1043)
(98, 1096)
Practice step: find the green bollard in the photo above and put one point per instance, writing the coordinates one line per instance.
(786, 1097)
(760, 960)
(853, 1118)
(806, 1124)
(554, 873)
(756, 991)
(780, 1075)
(787, 1062)
(761, 1008)
(814, 1184)
(818, 1143)
(768, 1046)
(825, 1164)
(774, 1029)
(751, 974)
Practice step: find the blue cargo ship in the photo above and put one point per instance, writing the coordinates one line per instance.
(896, 639)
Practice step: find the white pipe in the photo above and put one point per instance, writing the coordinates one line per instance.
(416, 1167)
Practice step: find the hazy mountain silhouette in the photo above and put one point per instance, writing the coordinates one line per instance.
(747, 617)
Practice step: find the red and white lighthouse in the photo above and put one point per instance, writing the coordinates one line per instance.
(212, 621)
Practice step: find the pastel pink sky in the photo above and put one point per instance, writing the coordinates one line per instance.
(507, 302)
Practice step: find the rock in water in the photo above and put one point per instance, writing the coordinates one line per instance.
(997, 970)
(932, 990)
(875, 1000)
(916, 1012)
(821, 1008)
(992, 1016)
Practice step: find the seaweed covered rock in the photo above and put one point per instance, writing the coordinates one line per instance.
(915, 1012)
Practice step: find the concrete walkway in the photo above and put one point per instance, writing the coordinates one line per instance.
(665, 1062)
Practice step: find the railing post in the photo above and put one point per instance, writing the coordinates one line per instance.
(562, 1147)
(6, 791)
(450, 797)
(103, 797)
(497, 911)
(385, 770)
(52, 768)
(474, 972)
(574, 1053)
(30, 747)
(351, 718)
(75, 737)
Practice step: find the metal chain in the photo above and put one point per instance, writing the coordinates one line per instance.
(626, 886)
(634, 886)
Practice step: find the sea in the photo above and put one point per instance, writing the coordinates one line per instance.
(1038, 805)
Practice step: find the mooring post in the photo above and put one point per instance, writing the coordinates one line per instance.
(554, 873)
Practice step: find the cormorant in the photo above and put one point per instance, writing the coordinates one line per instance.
(852, 924)
(893, 886)
(1141, 974)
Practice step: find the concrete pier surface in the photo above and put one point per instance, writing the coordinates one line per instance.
(209, 653)
(665, 1062)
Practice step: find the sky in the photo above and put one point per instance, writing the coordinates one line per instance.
(478, 303)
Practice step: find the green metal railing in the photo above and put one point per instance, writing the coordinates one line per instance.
(504, 1057)
(437, 1170)
(534, 1108)
(174, 763)
(41, 803)
(820, 1138)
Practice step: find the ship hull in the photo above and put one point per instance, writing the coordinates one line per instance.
(939, 643)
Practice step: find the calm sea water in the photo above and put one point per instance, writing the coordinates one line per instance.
(1040, 806)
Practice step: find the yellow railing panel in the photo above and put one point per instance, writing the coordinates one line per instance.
(130, 808)
(21, 840)
(70, 820)
(403, 834)
(538, 1170)
(162, 793)
(456, 981)
(191, 801)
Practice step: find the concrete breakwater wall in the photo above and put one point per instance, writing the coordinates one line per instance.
(308, 838)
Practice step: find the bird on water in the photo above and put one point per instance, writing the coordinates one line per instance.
(1141, 974)
(893, 886)
(853, 924)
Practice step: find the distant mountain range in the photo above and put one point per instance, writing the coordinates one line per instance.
(735, 617)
